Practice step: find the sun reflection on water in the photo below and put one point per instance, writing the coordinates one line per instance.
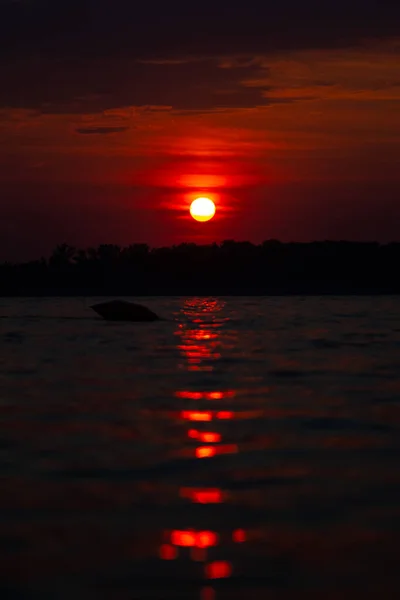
(200, 344)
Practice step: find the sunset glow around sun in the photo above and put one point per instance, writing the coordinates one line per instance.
(202, 209)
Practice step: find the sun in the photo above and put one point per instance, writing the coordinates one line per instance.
(202, 209)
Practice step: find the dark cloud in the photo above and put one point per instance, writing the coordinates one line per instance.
(143, 29)
(75, 86)
(85, 55)
(100, 130)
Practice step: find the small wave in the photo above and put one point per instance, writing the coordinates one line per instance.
(339, 424)
(14, 337)
(47, 318)
(322, 343)
(287, 373)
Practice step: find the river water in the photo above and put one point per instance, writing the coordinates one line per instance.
(243, 448)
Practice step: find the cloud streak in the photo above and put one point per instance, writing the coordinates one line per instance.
(100, 130)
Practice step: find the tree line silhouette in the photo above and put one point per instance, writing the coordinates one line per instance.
(230, 267)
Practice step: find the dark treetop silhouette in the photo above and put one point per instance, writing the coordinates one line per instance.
(231, 267)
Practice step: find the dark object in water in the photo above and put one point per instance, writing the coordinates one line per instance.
(120, 310)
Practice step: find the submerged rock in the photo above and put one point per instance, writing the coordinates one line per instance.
(120, 310)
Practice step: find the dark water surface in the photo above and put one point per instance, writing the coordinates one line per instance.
(247, 448)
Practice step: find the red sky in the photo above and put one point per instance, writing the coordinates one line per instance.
(100, 142)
